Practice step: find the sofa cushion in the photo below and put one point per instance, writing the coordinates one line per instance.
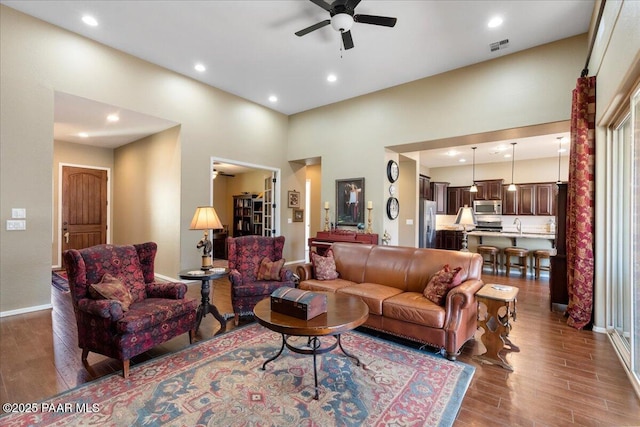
(324, 285)
(111, 288)
(324, 267)
(441, 282)
(270, 270)
(372, 294)
(413, 307)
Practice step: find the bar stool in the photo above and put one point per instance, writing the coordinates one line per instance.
(492, 254)
(522, 256)
(538, 256)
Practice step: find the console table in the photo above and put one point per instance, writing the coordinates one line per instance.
(324, 239)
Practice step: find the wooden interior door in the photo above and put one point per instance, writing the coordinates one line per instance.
(84, 208)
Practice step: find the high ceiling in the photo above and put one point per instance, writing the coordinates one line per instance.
(249, 47)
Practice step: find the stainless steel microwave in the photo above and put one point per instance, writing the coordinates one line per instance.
(487, 207)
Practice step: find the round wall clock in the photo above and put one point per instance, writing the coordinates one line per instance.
(393, 171)
(393, 208)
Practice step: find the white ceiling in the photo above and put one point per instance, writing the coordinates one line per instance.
(249, 47)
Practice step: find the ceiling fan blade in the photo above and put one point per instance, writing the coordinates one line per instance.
(322, 4)
(351, 4)
(385, 21)
(313, 27)
(347, 41)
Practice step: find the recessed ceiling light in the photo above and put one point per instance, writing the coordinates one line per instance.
(452, 153)
(273, 98)
(562, 150)
(494, 22)
(200, 68)
(90, 20)
(506, 156)
(462, 160)
(113, 118)
(83, 135)
(332, 78)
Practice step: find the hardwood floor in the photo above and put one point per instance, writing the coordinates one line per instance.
(561, 376)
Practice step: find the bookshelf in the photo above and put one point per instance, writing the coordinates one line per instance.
(243, 215)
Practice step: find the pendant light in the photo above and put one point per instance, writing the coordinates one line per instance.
(474, 187)
(559, 154)
(512, 186)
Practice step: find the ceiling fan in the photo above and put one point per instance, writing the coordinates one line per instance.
(219, 172)
(342, 18)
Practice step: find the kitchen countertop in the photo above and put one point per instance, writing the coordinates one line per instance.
(513, 234)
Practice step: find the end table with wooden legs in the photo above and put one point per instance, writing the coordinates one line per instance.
(206, 307)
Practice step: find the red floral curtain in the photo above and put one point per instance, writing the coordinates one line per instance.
(581, 204)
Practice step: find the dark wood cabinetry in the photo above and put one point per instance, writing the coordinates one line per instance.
(439, 195)
(458, 197)
(558, 292)
(489, 190)
(449, 239)
(546, 199)
(425, 187)
(530, 199)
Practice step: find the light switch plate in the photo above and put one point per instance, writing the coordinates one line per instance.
(18, 213)
(16, 224)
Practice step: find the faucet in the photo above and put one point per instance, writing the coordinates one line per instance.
(518, 225)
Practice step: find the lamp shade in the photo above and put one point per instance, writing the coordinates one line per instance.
(205, 218)
(466, 216)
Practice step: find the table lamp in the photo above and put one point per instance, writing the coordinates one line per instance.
(205, 219)
(465, 218)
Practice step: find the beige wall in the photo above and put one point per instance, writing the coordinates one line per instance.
(525, 171)
(70, 154)
(353, 138)
(146, 197)
(39, 59)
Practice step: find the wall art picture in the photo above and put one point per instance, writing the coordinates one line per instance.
(298, 215)
(294, 199)
(350, 204)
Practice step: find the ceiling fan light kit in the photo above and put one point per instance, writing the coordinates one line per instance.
(342, 18)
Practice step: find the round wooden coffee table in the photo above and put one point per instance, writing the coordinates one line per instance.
(344, 313)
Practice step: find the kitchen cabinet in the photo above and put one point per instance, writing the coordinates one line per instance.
(458, 197)
(425, 187)
(530, 199)
(451, 240)
(526, 199)
(489, 190)
(439, 195)
(546, 199)
(440, 239)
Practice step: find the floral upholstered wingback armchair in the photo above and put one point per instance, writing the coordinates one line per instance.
(256, 270)
(121, 311)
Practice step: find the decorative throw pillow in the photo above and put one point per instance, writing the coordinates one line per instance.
(111, 288)
(270, 270)
(441, 283)
(324, 267)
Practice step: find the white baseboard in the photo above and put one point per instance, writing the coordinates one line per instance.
(25, 310)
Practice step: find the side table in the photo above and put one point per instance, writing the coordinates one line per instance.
(496, 322)
(205, 276)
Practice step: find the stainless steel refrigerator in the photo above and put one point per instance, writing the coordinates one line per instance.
(427, 224)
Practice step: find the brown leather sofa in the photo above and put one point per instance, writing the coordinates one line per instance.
(391, 280)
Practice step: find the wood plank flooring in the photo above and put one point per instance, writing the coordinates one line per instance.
(561, 376)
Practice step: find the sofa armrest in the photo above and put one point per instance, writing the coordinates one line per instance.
(286, 275)
(169, 290)
(305, 271)
(105, 308)
(467, 290)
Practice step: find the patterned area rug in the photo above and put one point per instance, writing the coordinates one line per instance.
(59, 280)
(219, 382)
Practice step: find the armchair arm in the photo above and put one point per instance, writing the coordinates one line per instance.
(235, 277)
(169, 290)
(286, 275)
(105, 308)
(305, 271)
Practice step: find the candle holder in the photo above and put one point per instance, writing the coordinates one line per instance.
(369, 230)
(326, 219)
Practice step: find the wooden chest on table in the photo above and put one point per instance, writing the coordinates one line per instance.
(298, 303)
